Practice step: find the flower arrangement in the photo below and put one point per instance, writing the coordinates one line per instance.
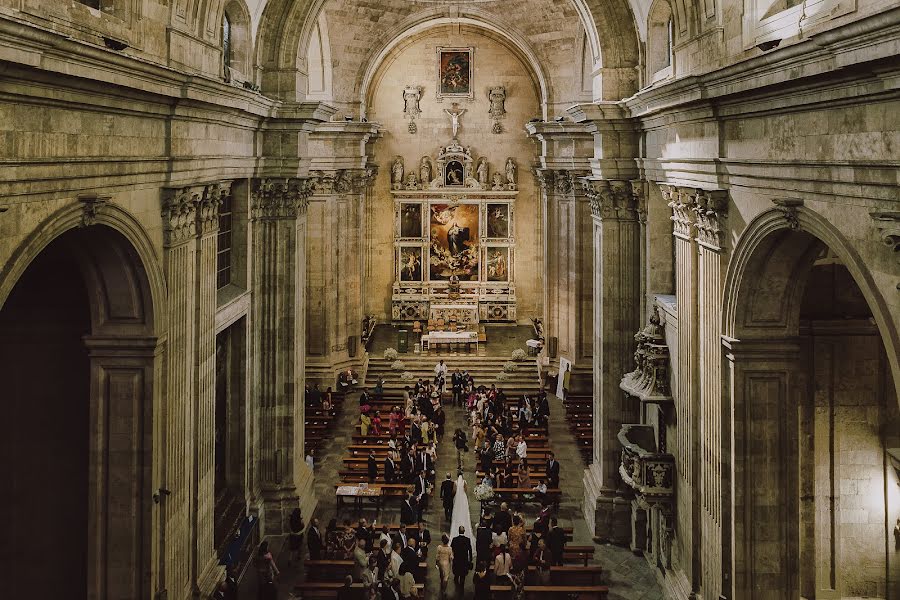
(407, 376)
(391, 354)
(518, 354)
(503, 377)
(483, 492)
(509, 366)
(398, 365)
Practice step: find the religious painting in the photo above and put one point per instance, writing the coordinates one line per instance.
(455, 73)
(410, 263)
(410, 220)
(455, 175)
(497, 259)
(498, 220)
(454, 242)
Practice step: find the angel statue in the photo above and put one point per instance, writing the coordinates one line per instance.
(397, 173)
(483, 173)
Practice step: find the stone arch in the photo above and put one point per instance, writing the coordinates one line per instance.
(661, 27)
(787, 425)
(287, 25)
(116, 356)
(241, 39)
(759, 240)
(422, 23)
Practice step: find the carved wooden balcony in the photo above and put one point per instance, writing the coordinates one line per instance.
(649, 472)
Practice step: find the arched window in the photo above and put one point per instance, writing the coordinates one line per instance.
(226, 42)
(660, 42)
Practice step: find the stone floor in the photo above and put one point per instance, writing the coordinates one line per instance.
(629, 577)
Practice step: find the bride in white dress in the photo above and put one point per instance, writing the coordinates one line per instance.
(461, 514)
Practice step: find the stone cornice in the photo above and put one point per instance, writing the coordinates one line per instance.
(342, 181)
(280, 198)
(612, 199)
(888, 224)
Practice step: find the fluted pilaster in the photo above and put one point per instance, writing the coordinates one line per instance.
(568, 270)
(278, 231)
(617, 219)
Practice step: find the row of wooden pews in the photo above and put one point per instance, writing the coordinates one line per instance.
(579, 416)
(320, 423)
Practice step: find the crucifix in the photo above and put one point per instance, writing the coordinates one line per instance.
(455, 114)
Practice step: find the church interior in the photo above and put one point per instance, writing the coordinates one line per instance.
(284, 253)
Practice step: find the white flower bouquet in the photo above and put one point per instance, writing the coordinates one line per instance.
(518, 354)
(483, 492)
(391, 354)
(509, 366)
(398, 365)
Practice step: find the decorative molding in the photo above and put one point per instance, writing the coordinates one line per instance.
(888, 224)
(91, 205)
(611, 199)
(788, 207)
(559, 181)
(208, 206)
(280, 198)
(179, 214)
(639, 190)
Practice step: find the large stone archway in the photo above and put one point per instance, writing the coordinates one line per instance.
(809, 405)
(80, 358)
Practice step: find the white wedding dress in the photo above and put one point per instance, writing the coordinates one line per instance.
(461, 514)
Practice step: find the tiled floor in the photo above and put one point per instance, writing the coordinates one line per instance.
(629, 577)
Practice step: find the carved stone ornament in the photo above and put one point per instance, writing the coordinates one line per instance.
(711, 208)
(560, 181)
(888, 224)
(511, 174)
(497, 96)
(650, 379)
(411, 96)
(91, 205)
(282, 198)
(611, 199)
(208, 206)
(397, 173)
(179, 214)
(682, 206)
(788, 207)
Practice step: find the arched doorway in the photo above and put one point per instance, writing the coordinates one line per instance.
(812, 411)
(76, 361)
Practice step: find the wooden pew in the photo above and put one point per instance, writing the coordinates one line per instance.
(329, 589)
(336, 570)
(553, 592)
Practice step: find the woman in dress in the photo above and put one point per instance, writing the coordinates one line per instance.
(524, 475)
(348, 541)
(266, 572)
(444, 560)
(517, 537)
(407, 583)
(333, 537)
(328, 400)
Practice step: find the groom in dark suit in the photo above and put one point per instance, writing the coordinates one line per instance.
(448, 489)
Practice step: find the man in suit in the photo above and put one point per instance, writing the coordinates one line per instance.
(373, 467)
(408, 511)
(410, 555)
(402, 536)
(552, 472)
(364, 397)
(390, 469)
(314, 540)
(421, 493)
(406, 466)
(484, 536)
(556, 541)
(503, 520)
(462, 557)
(448, 492)
(423, 538)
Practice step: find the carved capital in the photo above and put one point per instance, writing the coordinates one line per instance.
(711, 209)
(179, 214)
(559, 181)
(342, 181)
(638, 189)
(888, 224)
(611, 199)
(788, 207)
(682, 205)
(91, 205)
(208, 206)
(281, 198)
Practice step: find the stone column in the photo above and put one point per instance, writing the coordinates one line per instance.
(617, 301)
(179, 220)
(335, 272)
(711, 209)
(568, 271)
(206, 570)
(278, 267)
